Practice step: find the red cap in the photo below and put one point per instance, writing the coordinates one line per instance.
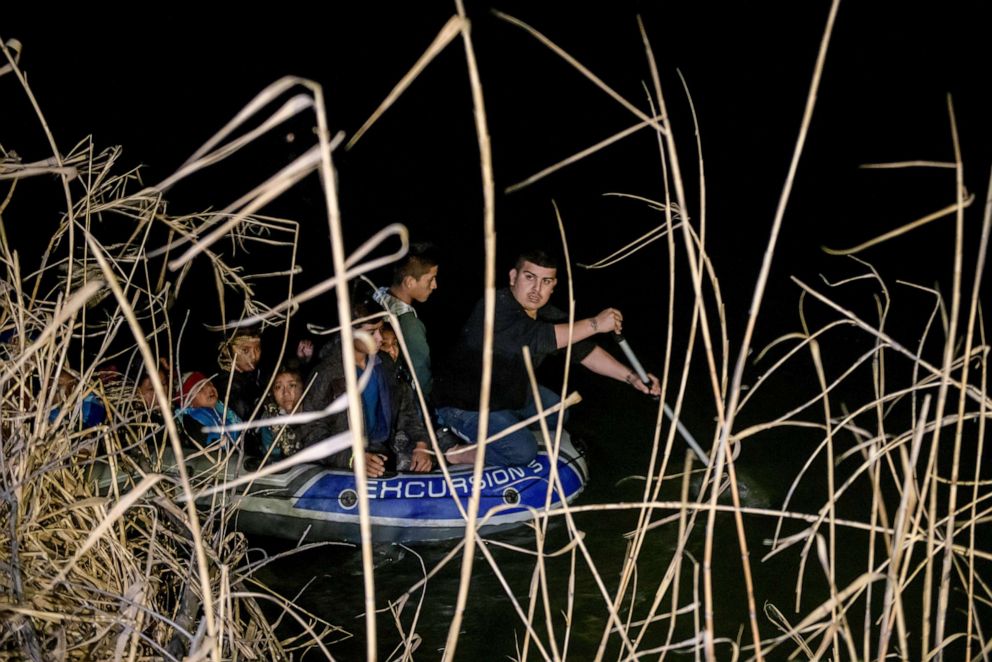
(190, 381)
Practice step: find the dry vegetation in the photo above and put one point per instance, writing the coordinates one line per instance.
(143, 574)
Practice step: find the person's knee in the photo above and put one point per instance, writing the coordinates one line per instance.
(548, 400)
(515, 450)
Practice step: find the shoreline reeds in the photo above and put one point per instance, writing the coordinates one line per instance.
(143, 573)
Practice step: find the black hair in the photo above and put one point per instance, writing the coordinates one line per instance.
(536, 256)
(290, 366)
(419, 259)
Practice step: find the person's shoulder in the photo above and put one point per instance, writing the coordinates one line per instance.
(551, 313)
(410, 317)
(331, 351)
(505, 303)
(328, 364)
(333, 344)
(393, 304)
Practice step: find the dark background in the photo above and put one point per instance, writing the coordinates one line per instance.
(161, 81)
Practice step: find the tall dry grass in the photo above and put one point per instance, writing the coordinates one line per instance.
(142, 573)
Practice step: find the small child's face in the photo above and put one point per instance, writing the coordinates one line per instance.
(66, 383)
(206, 396)
(373, 329)
(390, 345)
(147, 391)
(247, 352)
(287, 390)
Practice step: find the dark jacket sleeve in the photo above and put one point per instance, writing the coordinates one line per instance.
(408, 418)
(327, 384)
(340, 460)
(580, 349)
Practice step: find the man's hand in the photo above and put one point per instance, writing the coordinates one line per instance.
(635, 381)
(375, 465)
(421, 458)
(609, 320)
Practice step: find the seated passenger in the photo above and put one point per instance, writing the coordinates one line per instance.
(390, 343)
(522, 318)
(391, 421)
(414, 279)
(240, 356)
(146, 389)
(202, 408)
(287, 389)
(93, 411)
(239, 363)
(390, 351)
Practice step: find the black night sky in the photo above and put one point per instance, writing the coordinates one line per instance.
(159, 83)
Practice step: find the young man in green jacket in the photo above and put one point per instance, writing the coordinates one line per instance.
(414, 279)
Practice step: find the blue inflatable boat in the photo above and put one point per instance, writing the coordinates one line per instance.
(323, 503)
(316, 503)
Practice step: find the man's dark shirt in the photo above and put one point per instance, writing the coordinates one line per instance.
(457, 383)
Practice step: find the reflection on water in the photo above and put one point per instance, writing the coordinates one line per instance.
(327, 581)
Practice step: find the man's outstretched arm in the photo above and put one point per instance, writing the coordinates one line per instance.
(602, 363)
(606, 321)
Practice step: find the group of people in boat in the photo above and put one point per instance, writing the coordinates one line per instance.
(523, 318)
(392, 418)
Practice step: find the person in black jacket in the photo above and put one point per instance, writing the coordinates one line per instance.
(522, 318)
(391, 420)
(240, 356)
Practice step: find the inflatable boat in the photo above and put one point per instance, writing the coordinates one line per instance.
(316, 503)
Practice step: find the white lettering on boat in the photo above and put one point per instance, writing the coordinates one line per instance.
(420, 488)
(387, 491)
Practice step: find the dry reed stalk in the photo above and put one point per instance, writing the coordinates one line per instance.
(489, 235)
(50, 476)
(122, 560)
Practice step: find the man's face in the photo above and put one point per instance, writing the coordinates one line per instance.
(374, 330)
(287, 390)
(205, 396)
(247, 352)
(420, 288)
(532, 285)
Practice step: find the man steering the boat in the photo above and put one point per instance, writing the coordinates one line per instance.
(522, 318)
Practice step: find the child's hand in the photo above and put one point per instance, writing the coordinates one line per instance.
(304, 350)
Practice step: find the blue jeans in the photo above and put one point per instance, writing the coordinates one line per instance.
(517, 448)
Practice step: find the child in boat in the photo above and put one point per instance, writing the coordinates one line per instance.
(146, 389)
(201, 407)
(239, 359)
(92, 411)
(390, 351)
(391, 420)
(287, 390)
(390, 344)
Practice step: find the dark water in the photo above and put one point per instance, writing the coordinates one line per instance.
(618, 427)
